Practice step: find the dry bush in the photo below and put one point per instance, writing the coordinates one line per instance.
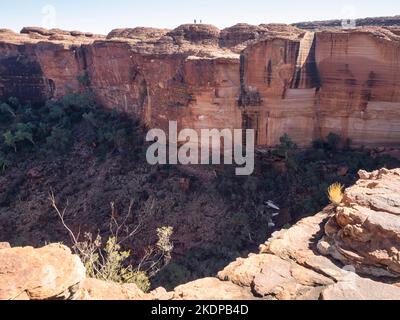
(108, 261)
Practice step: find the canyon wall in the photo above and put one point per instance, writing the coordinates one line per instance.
(275, 79)
(360, 95)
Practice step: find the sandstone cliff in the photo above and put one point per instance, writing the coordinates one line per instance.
(348, 252)
(275, 79)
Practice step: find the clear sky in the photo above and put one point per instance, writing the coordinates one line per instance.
(101, 16)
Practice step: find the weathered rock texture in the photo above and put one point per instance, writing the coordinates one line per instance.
(54, 273)
(273, 78)
(366, 229)
(51, 272)
(345, 252)
(92, 289)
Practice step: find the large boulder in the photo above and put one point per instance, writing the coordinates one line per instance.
(51, 272)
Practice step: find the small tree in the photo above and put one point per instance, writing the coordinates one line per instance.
(333, 141)
(23, 132)
(10, 140)
(286, 146)
(5, 108)
(287, 149)
(4, 162)
(59, 139)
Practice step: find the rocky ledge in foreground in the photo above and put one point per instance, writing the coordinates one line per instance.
(348, 252)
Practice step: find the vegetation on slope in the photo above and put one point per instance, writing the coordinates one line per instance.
(92, 157)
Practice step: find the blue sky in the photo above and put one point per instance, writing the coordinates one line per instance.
(101, 16)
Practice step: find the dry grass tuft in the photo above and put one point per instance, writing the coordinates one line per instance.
(335, 193)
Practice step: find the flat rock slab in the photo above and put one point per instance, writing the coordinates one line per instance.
(212, 289)
(93, 289)
(361, 289)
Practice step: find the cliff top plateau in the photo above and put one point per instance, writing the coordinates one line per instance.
(200, 40)
(186, 38)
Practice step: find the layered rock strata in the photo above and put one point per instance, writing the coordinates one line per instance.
(275, 79)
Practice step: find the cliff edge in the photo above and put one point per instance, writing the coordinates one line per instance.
(346, 252)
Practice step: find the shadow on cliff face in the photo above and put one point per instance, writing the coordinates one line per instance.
(91, 157)
(22, 76)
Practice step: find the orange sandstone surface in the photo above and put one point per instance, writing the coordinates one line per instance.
(275, 79)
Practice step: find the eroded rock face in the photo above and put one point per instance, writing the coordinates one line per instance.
(356, 93)
(239, 36)
(365, 231)
(275, 79)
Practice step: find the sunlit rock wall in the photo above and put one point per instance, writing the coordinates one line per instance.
(272, 78)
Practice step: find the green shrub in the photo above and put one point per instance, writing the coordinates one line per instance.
(286, 146)
(14, 102)
(59, 139)
(51, 127)
(10, 140)
(4, 162)
(6, 112)
(318, 144)
(22, 133)
(141, 279)
(333, 141)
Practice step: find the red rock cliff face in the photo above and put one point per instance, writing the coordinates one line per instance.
(360, 92)
(279, 84)
(272, 78)
(198, 92)
(34, 67)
